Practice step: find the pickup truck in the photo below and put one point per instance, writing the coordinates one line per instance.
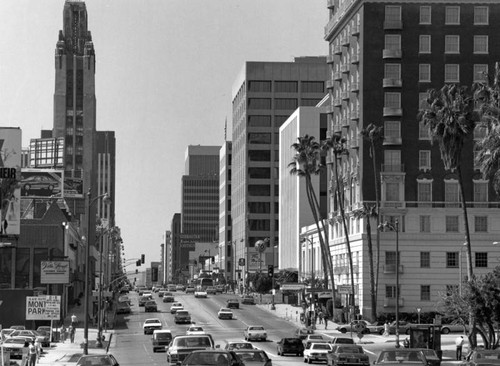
(256, 332)
(182, 346)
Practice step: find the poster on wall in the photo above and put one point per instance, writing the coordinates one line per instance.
(54, 272)
(41, 182)
(10, 173)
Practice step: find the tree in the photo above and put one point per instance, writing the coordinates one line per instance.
(451, 119)
(336, 144)
(306, 163)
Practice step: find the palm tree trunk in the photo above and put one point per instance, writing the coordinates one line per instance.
(466, 225)
(373, 293)
(377, 207)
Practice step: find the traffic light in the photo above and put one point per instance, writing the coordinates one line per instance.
(138, 263)
(143, 258)
(270, 270)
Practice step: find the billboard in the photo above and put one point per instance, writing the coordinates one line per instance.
(43, 307)
(41, 182)
(54, 272)
(10, 173)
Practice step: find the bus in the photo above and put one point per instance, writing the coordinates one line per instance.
(203, 283)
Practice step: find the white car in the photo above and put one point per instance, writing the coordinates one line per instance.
(176, 306)
(225, 313)
(194, 329)
(200, 293)
(150, 325)
(317, 352)
(256, 332)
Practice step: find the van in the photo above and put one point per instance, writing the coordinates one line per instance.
(161, 339)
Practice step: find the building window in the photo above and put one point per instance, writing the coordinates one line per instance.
(452, 15)
(481, 259)
(392, 158)
(285, 103)
(392, 192)
(425, 14)
(392, 129)
(425, 293)
(480, 73)
(259, 86)
(481, 44)
(259, 103)
(452, 259)
(451, 191)
(259, 138)
(423, 131)
(425, 226)
(285, 87)
(259, 121)
(481, 224)
(452, 73)
(424, 159)
(424, 44)
(452, 44)
(392, 71)
(424, 73)
(312, 86)
(424, 191)
(480, 191)
(392, 13)
(259, 155)
(390, 291)
(481, 15)
(392, 42)
(425, 260)
(452, 224)
(390, 258)
(392, 100)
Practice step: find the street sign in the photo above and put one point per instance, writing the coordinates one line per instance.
(346, 289)
(43, 307)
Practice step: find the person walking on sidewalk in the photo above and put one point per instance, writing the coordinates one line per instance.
(25, 358)
(72, 334)
(63, 332)
(32, 354)
(74, 320)
(326, 322)
(320, 317)
(459, 342)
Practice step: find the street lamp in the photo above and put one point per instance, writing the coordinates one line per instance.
(418, 314)
(90, 202)
(395, 227)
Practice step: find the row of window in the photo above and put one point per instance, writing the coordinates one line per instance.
(480, 259)
(265, 86)
(452, 224)
(451, 191)
(452, 14)
(451, 43)
(280, 103)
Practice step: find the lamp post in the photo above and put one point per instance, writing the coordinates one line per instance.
(418, 314)
(273, 306)
(395, 227)
(90, 202)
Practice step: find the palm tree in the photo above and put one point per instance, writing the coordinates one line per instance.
(451, 119)
(336, 144)
(306, 163)
(366, 213)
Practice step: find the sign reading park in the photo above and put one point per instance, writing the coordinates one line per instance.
(43, 307)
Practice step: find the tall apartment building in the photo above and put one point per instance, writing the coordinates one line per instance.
(264, 95)
(180, 256)
(226, 245)
(384, 56)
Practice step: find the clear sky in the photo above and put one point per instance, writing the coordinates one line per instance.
(164, 73)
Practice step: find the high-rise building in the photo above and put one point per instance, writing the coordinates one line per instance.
(264, 95)
(106, 174)
(226, 244)
(180, 267)
(384, 56)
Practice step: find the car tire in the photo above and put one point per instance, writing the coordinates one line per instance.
(445, 330)
(343, 330)
(309, 360)
(278, 352)
(381, 332)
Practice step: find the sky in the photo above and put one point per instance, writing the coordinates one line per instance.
(164, 76)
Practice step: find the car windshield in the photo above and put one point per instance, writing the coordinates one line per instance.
(242, 345)
(349, 350)
(292, 341)
(94, 360)
(256, 328)
(182, 312)
(195, 329)
(488, 356)
(15, 340)
(251, 356)
(321, 346)
(208, 358)
(163, 336)
(149, 321)
(224, 309)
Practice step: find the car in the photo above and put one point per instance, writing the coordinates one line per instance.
(431, 356)
(404, 327)
(220, 288)
(39, 183)
(213, 357)
(160, 339)
(233, 303)
(225, 313)
(233, 345)
(400, 357)
(161, 293)
(182, 316)
(124, 298)
(18, 327)
(171, 288)
(317, 352)
(290, 345)
(454, 326)
(180, 288)
(143, 300)
(15, 346)
(480, 357)
(4, 333)
(195, 329)
(341, 340)
(45, 332)
(211, 290)
(200, 293)
(347, 355)
(181, 346)
(314, 338)
(302, 333)
(98, 360)
(176, 306)
(123, 308)
(361, 324)
(152, 324)
(256, 332)
(255, 357)
(150, 306)
(190, 290)
(168, 297)
(248, 300)
(32, 334)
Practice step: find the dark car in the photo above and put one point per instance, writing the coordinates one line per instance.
(97, 360)
(211, 290)
(401, 357)
(212, 357)
(160, 339)
(431, 356)
(302, 333)
(347, 355)
(182, 316)
(483, 357)
(150, 306)
(233, 304)
(253, 357)
(290, 345)
(248, 299)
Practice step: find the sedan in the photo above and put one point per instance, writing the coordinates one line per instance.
(401, 357)
(254, 357)
(480, 357)
(234, 345)
(225, 313)
(33, 334)
(302, 333)
(14, 346)
(248, 299)
(190, 290)
(98, 360)
(168, 297)
(290, 345)
(176, 306)
(317, 352)
(233, 303)
(150, 325)
(200, 294)
(182, 316)
(193, 330)
(212, 357)
(348, 355)
(365, 327)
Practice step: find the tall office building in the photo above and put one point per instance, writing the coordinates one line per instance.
(106, 173)
(264, 95)
(384, 56)
(226, 244)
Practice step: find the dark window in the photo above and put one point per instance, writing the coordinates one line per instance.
(259, 173)
(259, 155)
(259, 121)
(259, 190)
(482, 259)
(425, 292)
(279, 120)
(285, 103)
(259, 103)
(259, 86)
(309, 102)
(452, 259)
(259, 207)
(259, 225)
(312, 87)
(285, 87)
(259, 138)
(425, 259)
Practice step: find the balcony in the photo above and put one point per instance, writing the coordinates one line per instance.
(391, 268)
(393, 168)
(330, 84)
(337, 102)
(330, 59)
(354, 115)
(330, 109)
(389, 112)
(355, 58)
(391, 140)
(330, 4)
(346, 95)
(390, 302)
(344, 41)
(388, 53)
(392, 83)
(337, 49)
(355, 29)
(393, 24)
(346, 122)
(355, 87)
(337, 75)
(345, 68)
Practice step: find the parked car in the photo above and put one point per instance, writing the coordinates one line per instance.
(400, 357)
(14, 345)
(481, 357)
(18, 327)
(150, 306)
(225, 313)
(200, 293)
(453, 326)
(182, 316)
(160, 339)
(176, 306)
(253, 357)
(366, 326)
(194, 329)
(123, 308)
(233, 303)
(431, 356)
(290, 345)
(32, 334)
(347, 355)
(256, 332)
(317, 352)
(102, 359)
(248, 300)
(150, 325)
(302, 333)
(213, 357)
(190, 290)
(182, 346)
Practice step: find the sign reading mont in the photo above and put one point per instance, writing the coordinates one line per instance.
(43, 307)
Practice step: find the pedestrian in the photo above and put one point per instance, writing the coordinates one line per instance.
(63, 332)
(39, 349)
(74, 320)
(321, 316)
(459, 342)
(32, 354)
(72, 334)
(386, 329)
(24, 360)
(326, 322)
